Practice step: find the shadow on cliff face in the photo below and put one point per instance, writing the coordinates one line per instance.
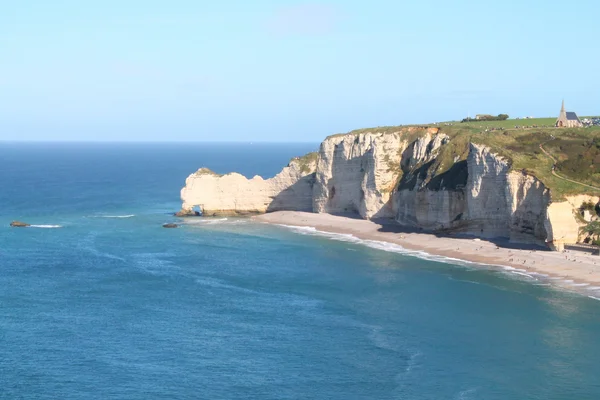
(529, 216)
(390, 226)
(431, 200)
(524, 224)
(297, 197)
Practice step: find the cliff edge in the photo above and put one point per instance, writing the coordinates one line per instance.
(441, 180)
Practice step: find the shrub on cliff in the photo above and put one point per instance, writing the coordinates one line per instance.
(592, 229)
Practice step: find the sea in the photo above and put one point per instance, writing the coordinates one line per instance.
(99, 301)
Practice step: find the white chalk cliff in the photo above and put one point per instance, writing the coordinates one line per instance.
(409, 176)
(234, 194)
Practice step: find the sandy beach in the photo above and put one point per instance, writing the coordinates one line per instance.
(571, 269)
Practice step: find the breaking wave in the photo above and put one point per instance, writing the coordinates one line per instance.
(115, 216)
(45, 226)
(213, 221)
(381, 245)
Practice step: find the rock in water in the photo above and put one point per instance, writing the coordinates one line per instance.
(170, 225)
(19, 224)
(187, 213)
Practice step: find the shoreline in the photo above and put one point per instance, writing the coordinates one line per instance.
(575, 271)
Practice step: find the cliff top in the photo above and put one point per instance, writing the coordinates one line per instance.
(566, 160)
(307, 161)
(207, 171)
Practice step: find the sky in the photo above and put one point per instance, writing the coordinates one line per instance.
(286, 71)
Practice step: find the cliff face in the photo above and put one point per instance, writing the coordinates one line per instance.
(359, 173)
(416, 176)
(234, 194)
(479, 195)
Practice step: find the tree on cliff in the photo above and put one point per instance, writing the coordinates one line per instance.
(592, 229)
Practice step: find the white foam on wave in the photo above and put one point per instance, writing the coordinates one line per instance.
(395, 248)
(87, 243)
(519, 272)
(45, 226)
(305, 230)
(381, 245)
(115, 216)
(206, 221)
(466, 394)
(215, 221)
(524, 272)
(580, 284)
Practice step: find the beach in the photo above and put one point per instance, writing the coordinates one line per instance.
(570, 269)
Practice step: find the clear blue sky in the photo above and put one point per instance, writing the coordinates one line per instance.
(265, 70)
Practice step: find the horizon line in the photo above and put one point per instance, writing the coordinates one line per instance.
(155, 141)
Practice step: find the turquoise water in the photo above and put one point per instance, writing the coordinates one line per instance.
(110, 305)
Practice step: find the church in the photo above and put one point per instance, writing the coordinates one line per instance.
(567, 119)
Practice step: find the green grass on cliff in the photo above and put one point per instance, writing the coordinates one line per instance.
(307, 161)
(207, 171)
(577, 150)
(530, 123)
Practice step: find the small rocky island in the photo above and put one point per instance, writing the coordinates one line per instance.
(19, 224)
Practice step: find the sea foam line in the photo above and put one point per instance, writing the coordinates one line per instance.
(114, 216)
(45, 226)
(395, 248)
(205, 221)
(390, 247)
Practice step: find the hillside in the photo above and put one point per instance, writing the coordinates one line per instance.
(577, 150)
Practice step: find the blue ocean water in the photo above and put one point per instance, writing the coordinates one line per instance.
(110, 305)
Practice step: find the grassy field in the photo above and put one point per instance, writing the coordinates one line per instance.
(511, 123)
(530, 123)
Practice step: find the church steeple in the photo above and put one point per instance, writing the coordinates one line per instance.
(567, 119)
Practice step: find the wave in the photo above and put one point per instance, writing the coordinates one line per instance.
(208, 221)
(114, 216)
(385, 246)
(45, 226)
(87, 243)
(466, 394)
(580, 284)
(518, 272)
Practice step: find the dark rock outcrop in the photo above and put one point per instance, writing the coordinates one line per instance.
(188, 213)
(170, 225)
(19, 224)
